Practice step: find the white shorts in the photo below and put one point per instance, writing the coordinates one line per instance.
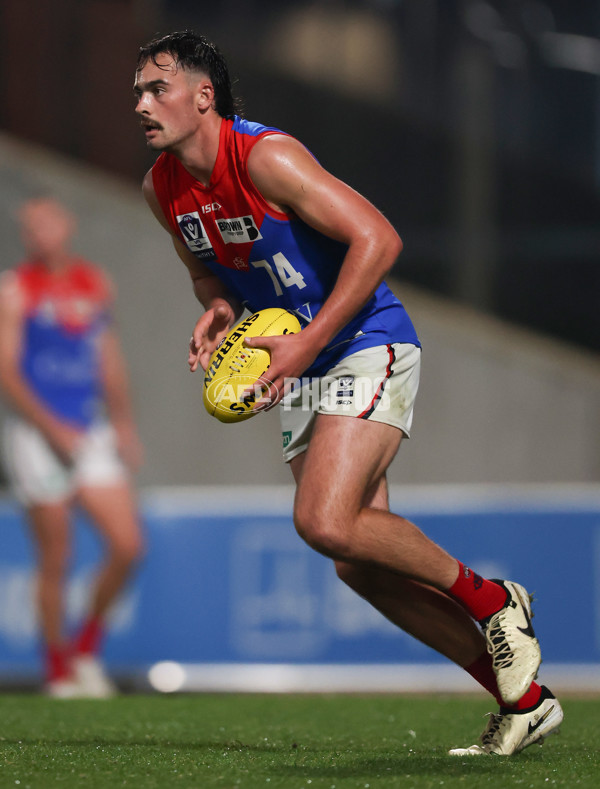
(379, 384)
(38, 476)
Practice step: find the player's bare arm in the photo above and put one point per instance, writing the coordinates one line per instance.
(290, 178)
(222, 309)
(62, 437)
(117, 397)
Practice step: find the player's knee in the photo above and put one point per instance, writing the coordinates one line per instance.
(321, 528)
(128, 551)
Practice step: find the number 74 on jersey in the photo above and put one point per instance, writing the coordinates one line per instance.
(282, 273)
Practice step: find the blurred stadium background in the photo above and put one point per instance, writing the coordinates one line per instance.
(475, 126)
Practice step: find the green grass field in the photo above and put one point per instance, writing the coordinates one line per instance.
(280, 742)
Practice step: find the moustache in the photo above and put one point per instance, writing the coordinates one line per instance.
(147, 124)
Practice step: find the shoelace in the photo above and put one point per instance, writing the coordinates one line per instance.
(498, 646)
(492, 729)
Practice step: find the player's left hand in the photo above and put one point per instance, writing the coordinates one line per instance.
(291, 355)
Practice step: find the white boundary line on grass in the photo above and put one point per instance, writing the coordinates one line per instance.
(361, 678)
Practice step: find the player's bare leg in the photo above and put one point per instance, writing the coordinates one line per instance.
(422, 611)
(346, 457)
(113, 512)
(50, 527)
(51, 530)
(434, 618)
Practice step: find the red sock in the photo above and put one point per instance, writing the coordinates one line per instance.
(57, 663)
(481, 670)
(528, 699)
(479, 597)
(90, 636)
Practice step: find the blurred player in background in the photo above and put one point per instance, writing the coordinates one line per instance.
(259, 223)
(71, 437)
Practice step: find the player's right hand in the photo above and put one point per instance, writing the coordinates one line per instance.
(64, 440)
(212, 327)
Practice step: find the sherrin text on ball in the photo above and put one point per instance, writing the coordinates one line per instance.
(234, 368)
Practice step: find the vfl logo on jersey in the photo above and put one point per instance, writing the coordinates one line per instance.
(241, 230)
(194, 235)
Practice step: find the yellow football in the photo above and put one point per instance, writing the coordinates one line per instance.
(233, 367)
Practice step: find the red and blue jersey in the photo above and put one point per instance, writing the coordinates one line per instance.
(65, 311)
(265, 257)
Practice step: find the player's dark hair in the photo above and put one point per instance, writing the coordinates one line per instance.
(195, 53)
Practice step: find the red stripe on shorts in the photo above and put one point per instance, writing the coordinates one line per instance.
(377, 397)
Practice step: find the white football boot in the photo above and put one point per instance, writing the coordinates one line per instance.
(508, 732)
(91, 678)
(66, 688)
(511, 642)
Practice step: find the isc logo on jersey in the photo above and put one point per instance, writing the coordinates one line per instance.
(194, 235)
(240, 230)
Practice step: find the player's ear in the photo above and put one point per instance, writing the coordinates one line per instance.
(205, 94)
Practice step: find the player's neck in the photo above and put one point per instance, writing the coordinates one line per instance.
(199, 154)
(57, 262)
